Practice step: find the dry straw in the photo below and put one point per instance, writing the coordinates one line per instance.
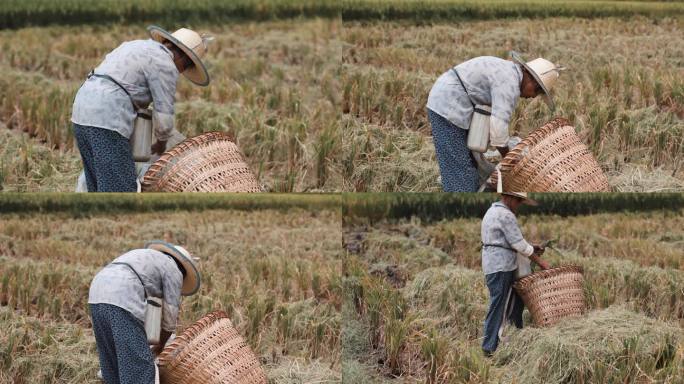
(551, 159)
(210, 162)
(553, 294)
(211, 351)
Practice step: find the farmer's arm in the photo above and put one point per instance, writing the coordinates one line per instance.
(162, 77)
(172, 281)
(171, 288)
(163, 338)
(505, 96)
(536, 257)
(513, 235)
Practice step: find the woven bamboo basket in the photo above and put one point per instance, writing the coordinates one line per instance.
(210, 162)
(551, 159)
(553, 294)
(211, 351)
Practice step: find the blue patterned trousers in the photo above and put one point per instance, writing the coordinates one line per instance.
(456, 164)
(125, 357)
(107, 160)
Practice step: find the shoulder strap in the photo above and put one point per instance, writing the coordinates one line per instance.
(134, 271)
(498, 246)
(463, 85)
(102, 76)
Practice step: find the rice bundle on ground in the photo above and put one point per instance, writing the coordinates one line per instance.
(210, 162)
(553, 294)
(211, 351)
(551, 159)
(612, 345)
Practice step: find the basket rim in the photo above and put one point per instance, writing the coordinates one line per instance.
(182, 147)
(169, 353)
(516, 155)
(551, 272)
(157, 172)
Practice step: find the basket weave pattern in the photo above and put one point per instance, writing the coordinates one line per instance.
(553, 294)
(211, 351)
(551, 159)
(210, 162)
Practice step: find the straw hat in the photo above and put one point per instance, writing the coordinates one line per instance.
(191, 281)
(544, 72)
(523, 197)
(192, 44)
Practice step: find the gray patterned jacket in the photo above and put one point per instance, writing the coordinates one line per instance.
(501, 239)
(117, 285)
(146, 69)
(490, 81)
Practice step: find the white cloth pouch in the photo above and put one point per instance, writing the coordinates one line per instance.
(141, 138)
(153, 317)
(478, 133)
(524, 266)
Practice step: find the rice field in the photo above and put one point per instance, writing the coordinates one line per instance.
(329, 96)
(415, 300)
(275, 272)
(623, 90)
(275, 88)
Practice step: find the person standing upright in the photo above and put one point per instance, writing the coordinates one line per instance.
(502, 240)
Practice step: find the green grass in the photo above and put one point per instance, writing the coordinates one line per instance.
(432, 207)
(462, 10)
(21, 13)
(16, 13)
(75, 203)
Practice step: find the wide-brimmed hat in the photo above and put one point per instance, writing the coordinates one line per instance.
(191, 281)
(192, 44)
(523, 196)
(544, 72)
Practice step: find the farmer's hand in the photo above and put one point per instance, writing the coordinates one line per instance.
(157, 349)
(538, 249)
(163, 338)
(543, 264)
(539, 261)
(159, 147)
(503, 151)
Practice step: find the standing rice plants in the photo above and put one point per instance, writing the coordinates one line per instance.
(434, 350)
(264, 280)
(46, 120)
(271, 93)
(28, 287)
(625, 110)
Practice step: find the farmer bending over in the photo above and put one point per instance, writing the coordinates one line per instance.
(117, 302)
(132, 76)
(488, 81)
(501, 241)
